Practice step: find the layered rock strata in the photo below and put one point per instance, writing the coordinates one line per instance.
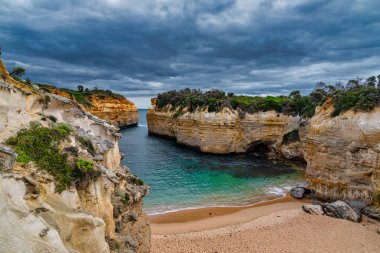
(97, 215)
(118, 111)
(225, 131)
(342, 153)
(115, 109)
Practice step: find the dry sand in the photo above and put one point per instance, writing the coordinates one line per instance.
(279, 226)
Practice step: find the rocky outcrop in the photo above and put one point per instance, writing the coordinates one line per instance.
(118, 111)
(343, 154)
(114, 108)
(225, 131)
(95, 215)
(342, 210)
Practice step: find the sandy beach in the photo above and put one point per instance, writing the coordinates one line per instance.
(273, 226)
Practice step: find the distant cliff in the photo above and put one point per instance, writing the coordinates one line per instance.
(113, 108)
(118, 111)
(62, 188)
(225, 131)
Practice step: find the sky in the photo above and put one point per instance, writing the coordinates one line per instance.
(140, 48)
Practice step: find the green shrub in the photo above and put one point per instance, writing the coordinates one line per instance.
(137, 181)
(291, 136)
(85, 166)
(125, 199)
(87, 144)
(355, 95)
(216, 100)
(363, 98)
(85, 170)
(79, 96)
(41, 145)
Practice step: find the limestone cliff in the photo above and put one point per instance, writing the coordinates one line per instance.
(343, 154)
(96, 215)
(225, 131)
(118, 111)
(114, 108)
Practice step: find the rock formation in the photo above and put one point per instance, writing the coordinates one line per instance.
(118, 111)
(114, 108)
(342, 152)
(225, 131)
(96, 215)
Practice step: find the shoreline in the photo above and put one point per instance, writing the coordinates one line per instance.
(278, 225)
(206, 218)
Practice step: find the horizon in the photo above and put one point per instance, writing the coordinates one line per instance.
(140, 48)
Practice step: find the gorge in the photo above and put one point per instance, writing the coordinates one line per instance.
(341, 151)
(68, 187)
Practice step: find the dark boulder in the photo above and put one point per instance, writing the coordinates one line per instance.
(342, 210)
(300, 192)
(357, 205)
(372, 212)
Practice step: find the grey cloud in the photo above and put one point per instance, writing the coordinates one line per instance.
(140, 48)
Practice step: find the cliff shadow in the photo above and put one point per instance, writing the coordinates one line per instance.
(260, 148)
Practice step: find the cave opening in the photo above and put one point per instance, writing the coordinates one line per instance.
(260, 148)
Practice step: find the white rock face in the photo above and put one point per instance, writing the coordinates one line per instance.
(18, 225)
(88, 217)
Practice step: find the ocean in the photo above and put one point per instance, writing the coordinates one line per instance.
(182, 178)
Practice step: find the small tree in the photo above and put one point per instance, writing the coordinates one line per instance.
(18, 72)
(296, 94)
(80, 88)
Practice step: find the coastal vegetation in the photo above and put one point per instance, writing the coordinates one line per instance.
(81, 95)
(356, 94)
(87, 144)
(41, 145)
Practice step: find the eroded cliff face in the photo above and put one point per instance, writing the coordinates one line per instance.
(223, 132)
(118, 111)
(343, 154)
(98, 215)
(113, 108)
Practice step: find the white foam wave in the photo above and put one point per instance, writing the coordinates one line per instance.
(142, 125)
(278, 191)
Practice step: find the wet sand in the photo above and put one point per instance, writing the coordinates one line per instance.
(193, 220)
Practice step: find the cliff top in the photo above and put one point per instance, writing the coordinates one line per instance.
(85, 97)
(356, 95)
(5, 76)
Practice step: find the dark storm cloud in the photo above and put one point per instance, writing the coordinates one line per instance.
(141, 48)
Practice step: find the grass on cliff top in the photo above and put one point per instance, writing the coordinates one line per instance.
(216, 100)
(41, 145)
(356, 94)
(81, 95)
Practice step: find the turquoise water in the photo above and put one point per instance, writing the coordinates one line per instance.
(181, 178)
